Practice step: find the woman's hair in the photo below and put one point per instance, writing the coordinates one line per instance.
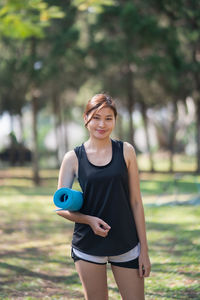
(96, 103)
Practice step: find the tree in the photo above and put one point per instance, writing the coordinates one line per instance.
(184, 15)
(120, 40)
(63, 69)
(26, 21)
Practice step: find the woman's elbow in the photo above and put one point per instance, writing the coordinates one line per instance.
(63, 213)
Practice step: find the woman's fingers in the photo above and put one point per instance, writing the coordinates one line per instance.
(144, 271)
(103, 228)
(99, 226)
(141, 270)
(104, 225)
(144, 266)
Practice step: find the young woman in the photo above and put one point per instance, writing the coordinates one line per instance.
(110, 227)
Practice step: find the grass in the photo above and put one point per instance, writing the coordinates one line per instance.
(161, 161)
(35, 258)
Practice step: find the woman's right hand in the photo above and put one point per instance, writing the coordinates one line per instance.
(98, 226)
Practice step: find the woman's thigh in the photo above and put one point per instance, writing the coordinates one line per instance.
(130, 285)
(94, 280)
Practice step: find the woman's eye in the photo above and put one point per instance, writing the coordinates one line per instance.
(97, 118)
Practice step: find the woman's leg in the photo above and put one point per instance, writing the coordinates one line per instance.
(94, 280)
(130, 285)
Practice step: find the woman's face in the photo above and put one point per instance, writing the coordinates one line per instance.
(102, 123)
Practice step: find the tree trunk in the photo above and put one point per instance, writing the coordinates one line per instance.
(197, 82)
(63, 126)
(60, 130)
(36, 177)
(21, 128)
(56, 126)
(130, 104)
(198, 134)
(119, 127)
(172, 135)
(21, 140)
(13, 142)
(144, 115)
(131, 129)
(34, 108)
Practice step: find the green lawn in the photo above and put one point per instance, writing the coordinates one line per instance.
(161, 161)
(35, 258)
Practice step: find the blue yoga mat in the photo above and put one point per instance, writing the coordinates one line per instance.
(68, 199)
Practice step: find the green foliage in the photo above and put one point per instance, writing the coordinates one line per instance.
(13, 67)
(139, 51)
(94, 5)
(27, 18)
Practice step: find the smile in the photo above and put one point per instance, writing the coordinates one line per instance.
(101, 131)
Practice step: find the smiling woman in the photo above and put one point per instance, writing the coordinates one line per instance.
(98, 102)
(110, 226)
(101, 123)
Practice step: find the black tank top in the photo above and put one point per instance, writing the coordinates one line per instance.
(106, 195)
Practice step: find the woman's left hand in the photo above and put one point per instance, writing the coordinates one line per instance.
(144, 264)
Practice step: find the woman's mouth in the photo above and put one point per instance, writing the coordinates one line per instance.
(101, 131)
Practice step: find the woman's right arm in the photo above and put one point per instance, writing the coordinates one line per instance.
(67, 174)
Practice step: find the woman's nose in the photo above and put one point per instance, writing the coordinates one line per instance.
(101, 123)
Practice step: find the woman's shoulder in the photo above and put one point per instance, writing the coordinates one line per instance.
(129, 153)
(70, 157)
(127, 147)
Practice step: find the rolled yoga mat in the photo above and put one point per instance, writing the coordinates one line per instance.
(68, 199)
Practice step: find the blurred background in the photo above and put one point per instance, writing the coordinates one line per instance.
(54, 56)
(146, 54)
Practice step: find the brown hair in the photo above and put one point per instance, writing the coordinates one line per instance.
(97, 102)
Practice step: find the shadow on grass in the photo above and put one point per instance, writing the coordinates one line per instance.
(38, 255)
(175, 235)
(27, 190)
(175, 293)
(42, 228)
(22, 271)
(176, 246)
(176, 268)
(172, 227)
(167, 187)
(37, 285)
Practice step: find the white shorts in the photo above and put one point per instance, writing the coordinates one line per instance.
(125, 257)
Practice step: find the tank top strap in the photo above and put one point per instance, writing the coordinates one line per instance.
(118, 149)
(118, 145)
(79, 152)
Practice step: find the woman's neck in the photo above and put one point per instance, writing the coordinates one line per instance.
(98, 143)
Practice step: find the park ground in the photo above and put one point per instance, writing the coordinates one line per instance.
(35, 258)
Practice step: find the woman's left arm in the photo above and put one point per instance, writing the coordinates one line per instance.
(137, 207)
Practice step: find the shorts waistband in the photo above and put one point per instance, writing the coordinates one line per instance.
(127, 256)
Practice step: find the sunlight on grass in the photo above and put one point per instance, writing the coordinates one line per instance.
(35, 260)
(161, 162)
